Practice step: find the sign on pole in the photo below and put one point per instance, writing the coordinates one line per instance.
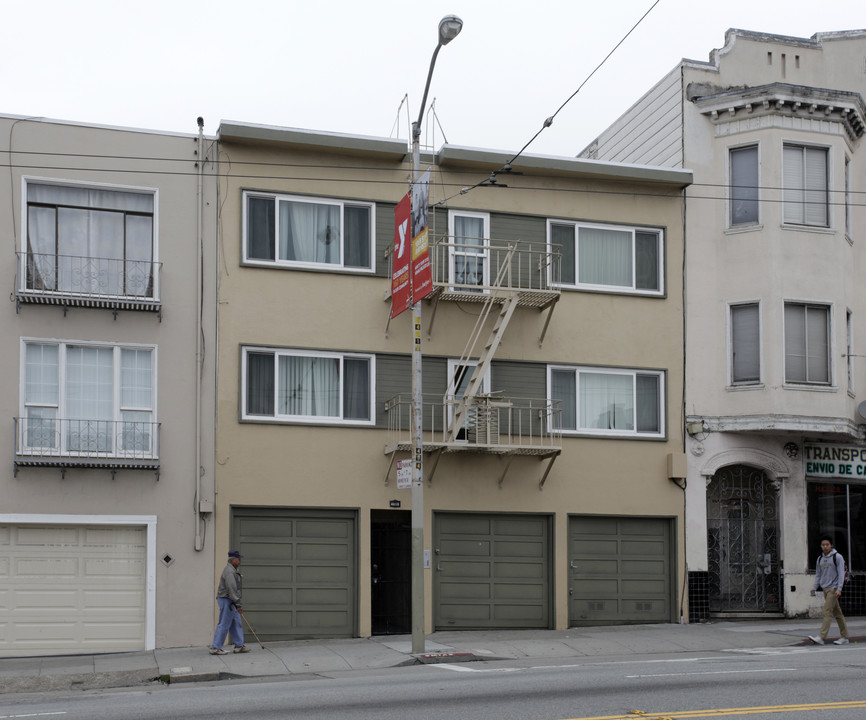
(422, 275)
(401, 286)
(404, 474)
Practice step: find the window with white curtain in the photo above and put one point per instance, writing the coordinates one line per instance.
(608, 401)
(807, 343)
(745, 343)
(607, 257)
(306, 386)
(743, 191)
(86, 399)
(88, 240)
(805, 185)
(308, 232)
(468, 253)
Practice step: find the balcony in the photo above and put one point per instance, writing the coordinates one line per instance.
(71, 281)
(495, 425)
(68, 443)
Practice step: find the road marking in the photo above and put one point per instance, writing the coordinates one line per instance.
(729, 712)
(714, 672)
(30, 715)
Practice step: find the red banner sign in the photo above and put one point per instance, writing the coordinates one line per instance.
(401, 287)
(422, 274)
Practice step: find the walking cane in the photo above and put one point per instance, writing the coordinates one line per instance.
(251, 630)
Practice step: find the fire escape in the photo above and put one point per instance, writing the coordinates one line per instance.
(497, 278)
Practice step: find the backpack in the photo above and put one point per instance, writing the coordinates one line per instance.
(847, 573)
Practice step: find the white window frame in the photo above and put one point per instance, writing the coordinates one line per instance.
(454, 252)
(451, 398)
(631, 289)
(797, 193)
(732, 381)
(307, 419)
(806, 384)
(109, 187)
(117, 408)
(299, 264)
(750, 224)
(633, 373)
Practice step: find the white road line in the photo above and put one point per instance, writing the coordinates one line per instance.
(713, 672)
(30, 715)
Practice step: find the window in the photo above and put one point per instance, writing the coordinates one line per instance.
(608, 401)
(304, 386)
(838, 509)
(807, 343)
(308, 232)
(744, 185)
(805, 185)
(468, 262)
(84, 399)
(90, 241)
(458, 383)
(612, 258)
(849, 228)
(745, 324)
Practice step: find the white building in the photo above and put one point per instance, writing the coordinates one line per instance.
(772, 127)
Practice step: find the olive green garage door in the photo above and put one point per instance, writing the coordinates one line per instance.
(620, 570)
(299, 571)
(491, 571)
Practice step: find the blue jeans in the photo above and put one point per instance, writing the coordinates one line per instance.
(229, 623)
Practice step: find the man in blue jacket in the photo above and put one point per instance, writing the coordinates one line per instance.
(830, 577)
(229, 601)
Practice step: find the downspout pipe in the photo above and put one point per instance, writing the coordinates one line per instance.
(199, 520)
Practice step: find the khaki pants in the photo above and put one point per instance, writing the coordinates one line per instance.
(832, 610)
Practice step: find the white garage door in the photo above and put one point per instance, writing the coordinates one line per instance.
(70, 589)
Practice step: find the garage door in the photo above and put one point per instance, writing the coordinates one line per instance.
(299, 571)
(72, 589)
(619, 570)
(491, 571)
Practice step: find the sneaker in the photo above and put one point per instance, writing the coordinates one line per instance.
(218, 651)
(841, 641)
(242, 648)
(816, 639)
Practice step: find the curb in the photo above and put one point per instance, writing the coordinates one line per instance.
(83, 681)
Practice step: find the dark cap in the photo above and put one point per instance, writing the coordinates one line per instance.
(235, 554)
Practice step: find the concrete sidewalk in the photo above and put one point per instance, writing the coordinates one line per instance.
(323, 657)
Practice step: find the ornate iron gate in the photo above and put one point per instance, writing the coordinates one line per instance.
(743, 541)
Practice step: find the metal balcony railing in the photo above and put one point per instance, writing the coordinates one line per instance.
(88, 281)
(494, 424)
(468, 267)
(88, 443)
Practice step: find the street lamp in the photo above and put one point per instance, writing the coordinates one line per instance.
(449, 27)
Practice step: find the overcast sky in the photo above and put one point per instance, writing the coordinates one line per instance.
(346, 65)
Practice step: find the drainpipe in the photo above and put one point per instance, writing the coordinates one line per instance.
(199, 520)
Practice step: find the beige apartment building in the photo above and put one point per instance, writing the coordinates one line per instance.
(772, 127)
(553, 445)
(108, 360)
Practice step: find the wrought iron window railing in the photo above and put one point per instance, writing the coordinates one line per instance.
(62, 441)
(52, 278)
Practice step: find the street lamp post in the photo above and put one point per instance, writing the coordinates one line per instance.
(449, 28)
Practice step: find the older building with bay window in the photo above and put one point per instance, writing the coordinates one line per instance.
(552, 388)
(772, 127)
(106, 542)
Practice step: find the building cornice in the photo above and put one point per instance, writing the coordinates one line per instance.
(801, 424)
(727, 105)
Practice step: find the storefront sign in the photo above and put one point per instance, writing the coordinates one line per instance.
(837, 461)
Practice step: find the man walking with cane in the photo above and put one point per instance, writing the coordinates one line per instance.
(229, 602)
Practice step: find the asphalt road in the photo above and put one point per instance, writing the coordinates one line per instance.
(811, 683)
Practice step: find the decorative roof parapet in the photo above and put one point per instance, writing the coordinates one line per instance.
(723, 105)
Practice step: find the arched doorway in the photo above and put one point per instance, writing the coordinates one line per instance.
(743, 541)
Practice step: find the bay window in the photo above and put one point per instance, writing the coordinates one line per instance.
(743, 197)
(805, 182)
(807, 343)
(745, 343)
